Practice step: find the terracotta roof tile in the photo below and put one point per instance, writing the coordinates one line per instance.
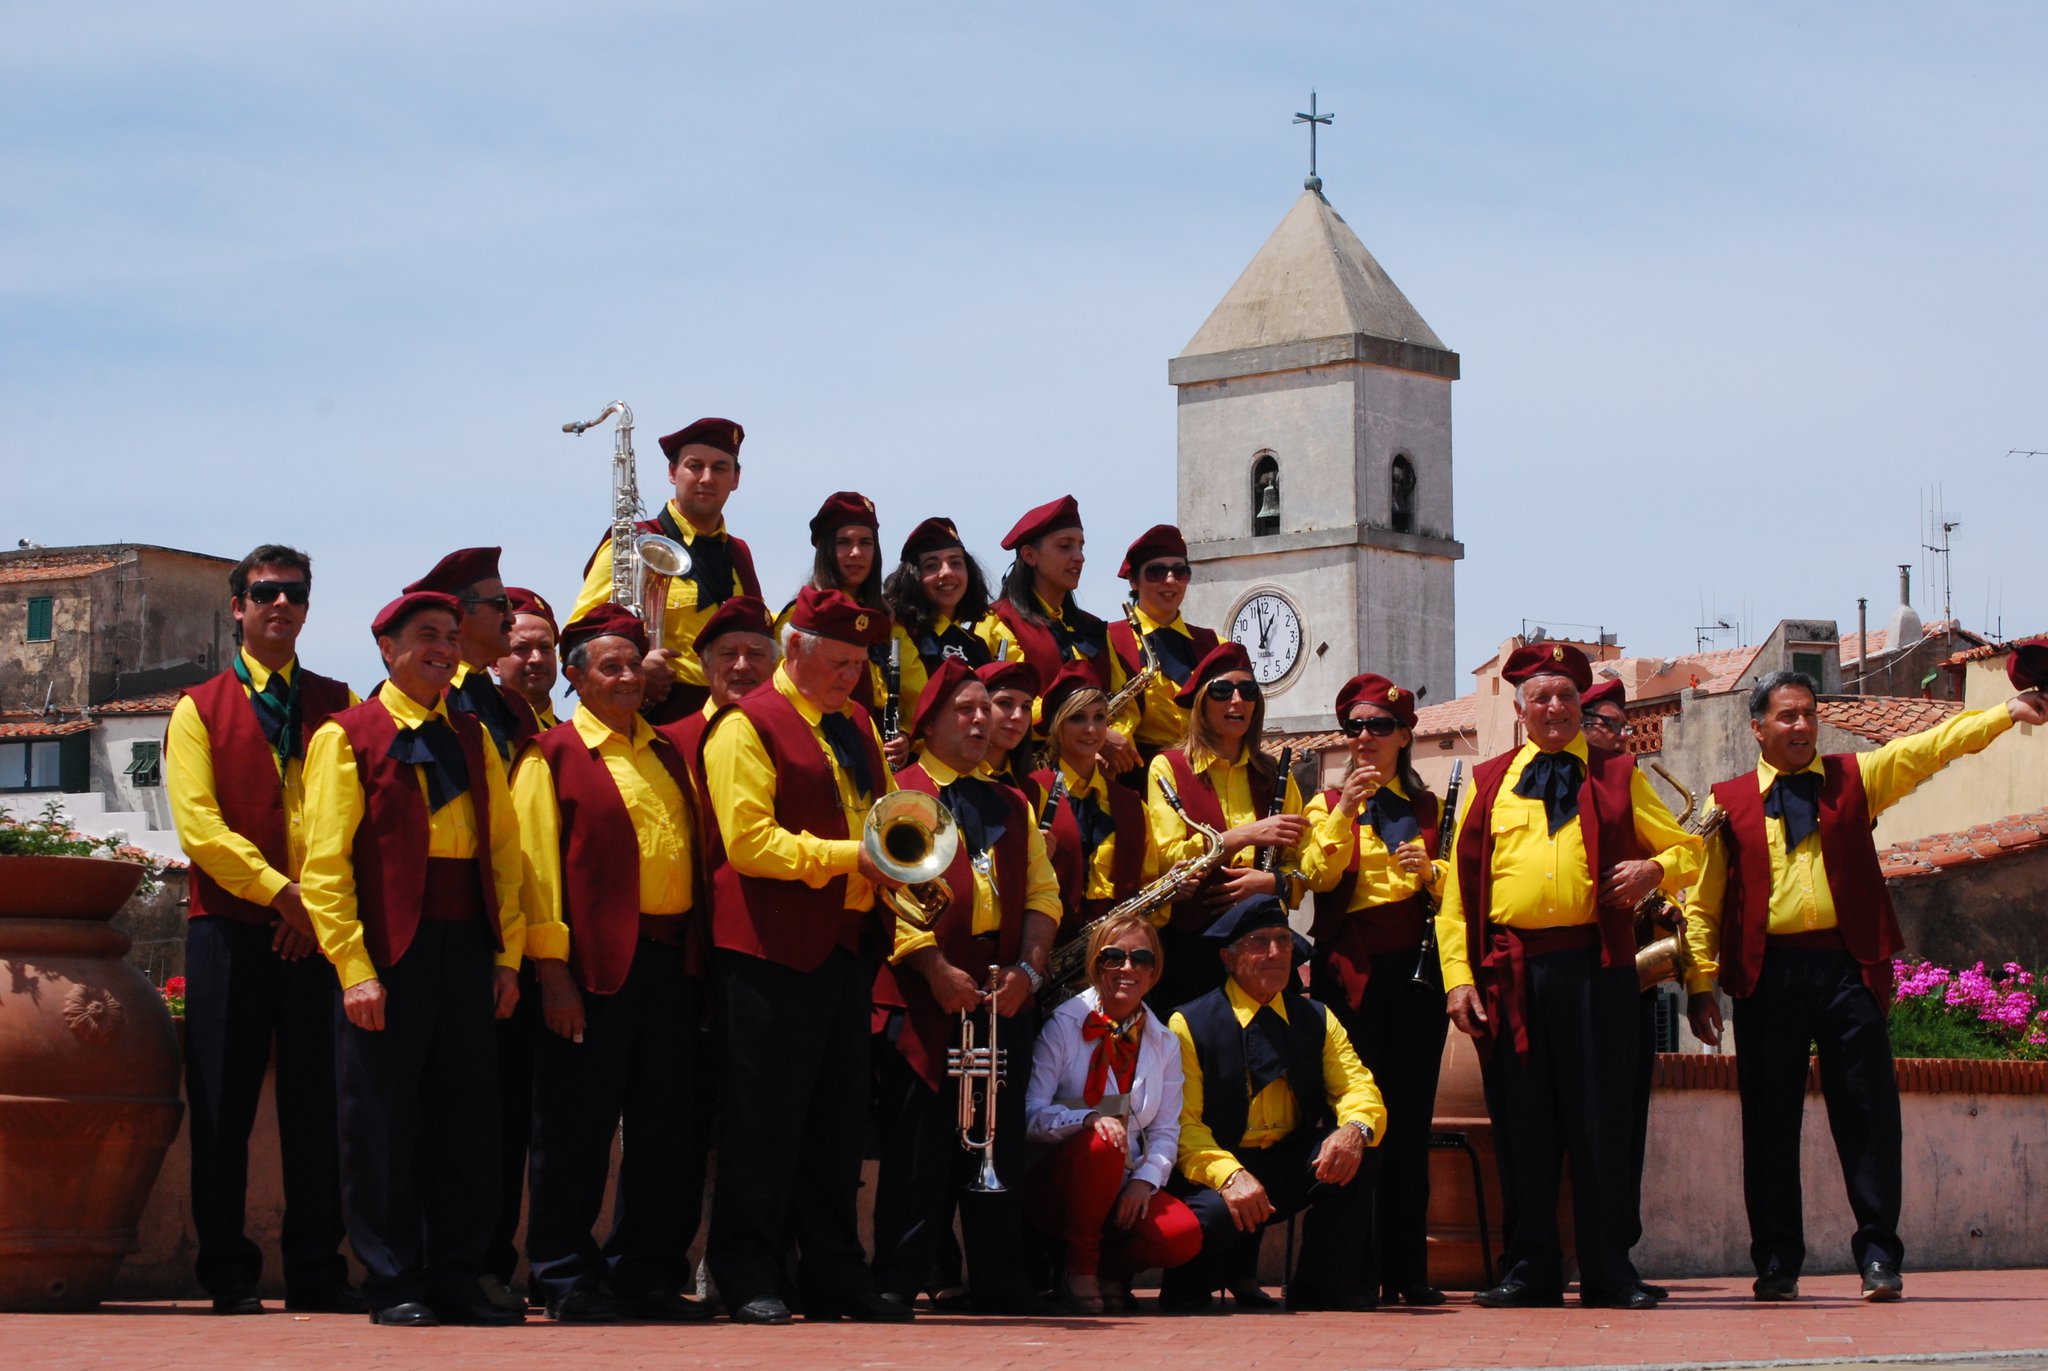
(2005, 837)
(1882, 718)
(43, 728)
(14, 575)
(1303, 742)
(1849, 651)
(155, 702)
(1452, 716)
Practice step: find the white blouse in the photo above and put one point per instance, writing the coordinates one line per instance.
(1059, 1071)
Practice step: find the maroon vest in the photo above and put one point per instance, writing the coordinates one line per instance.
(1346, 942)
(1124, 643)
(1070, 862)
(787, 922)
(1041, 648)
(1863, 907)
(390, 852)
(1200, 800)
(598, 844)
(1606, 799)
(246, 784)
(926, 1030)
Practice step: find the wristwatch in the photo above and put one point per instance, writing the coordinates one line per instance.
(1363, 1127)
(1032, 975)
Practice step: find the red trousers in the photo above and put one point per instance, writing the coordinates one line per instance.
(1072, 1196)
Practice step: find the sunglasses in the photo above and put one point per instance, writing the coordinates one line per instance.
(1220, 690)
(1379, 725)
(1113, 958)
(1167, 571)
(1602, 721)
(263, 592)
(501, 603)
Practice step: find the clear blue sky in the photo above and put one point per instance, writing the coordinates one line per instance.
(1731, 283)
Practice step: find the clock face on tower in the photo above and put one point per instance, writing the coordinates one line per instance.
(1268, 627)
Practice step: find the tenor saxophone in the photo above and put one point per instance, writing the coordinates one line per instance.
(642, 563)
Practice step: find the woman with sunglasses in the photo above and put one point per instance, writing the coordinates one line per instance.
(845, 558)
(937, 595)
(1156, 566)
(1105, 1097)
(1226, 782)
(1037, 621)
(1368, 858)
(1100, 843)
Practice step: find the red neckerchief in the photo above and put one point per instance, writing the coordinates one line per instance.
(1115, 1049)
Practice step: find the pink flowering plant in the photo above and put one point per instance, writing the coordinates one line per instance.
(1939, 1012)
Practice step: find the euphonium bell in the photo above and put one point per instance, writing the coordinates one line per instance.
(913, 839)
(659, 560)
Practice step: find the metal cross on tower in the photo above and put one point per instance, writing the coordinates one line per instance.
(1314, 182)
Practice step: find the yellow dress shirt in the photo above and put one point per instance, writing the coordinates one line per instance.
(1347, 1084)
(334, 808)
(1003, 647)
(741, 780)
(1540, 878)
(547, 717)
(683, 617)
(1102, 866)
(1800, 899)
(1161, 722)
(1041, 886)
(1173, 841)
(661, 826)
(1326, 855)
(232, 860)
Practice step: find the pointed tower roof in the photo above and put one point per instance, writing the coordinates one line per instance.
(1313, 280)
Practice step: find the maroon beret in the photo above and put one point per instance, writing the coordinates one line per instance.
(723, 434)
(2027, 665)
(460, 570)
(1225, 656)
(1070, 680)
(939, 691)
(1046, 519)
(1008, 676)
(836, 615)
(392, 618)
(841, 509)
(605, 620)
(933, 535)
(740, 614)
(1610, 689)
(1367, 688)
(1160, 540)
(525, 601)
(1548, 659)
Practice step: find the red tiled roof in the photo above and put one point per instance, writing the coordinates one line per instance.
(2002, 838)
(1303, 742)
(155, 702)
(61, 571)
(42, 728)
(1983, 650)
(1882, 718)
(1849, 649)
(1452, 716)
(1720, 670)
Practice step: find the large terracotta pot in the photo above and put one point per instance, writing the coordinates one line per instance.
(89, 1070)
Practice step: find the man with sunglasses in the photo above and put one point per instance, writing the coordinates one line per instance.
(1156, 566)
(236, 749)
(1536, 935)
(1278, 1116)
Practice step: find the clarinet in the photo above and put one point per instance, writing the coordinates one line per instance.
(1054, 793)
(1428, 968)
(892, 682)
(1269, 857)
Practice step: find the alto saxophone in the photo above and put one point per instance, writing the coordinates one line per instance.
(1066, 970)
(1135, 686)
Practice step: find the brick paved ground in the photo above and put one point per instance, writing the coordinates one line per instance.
(1949, 1315)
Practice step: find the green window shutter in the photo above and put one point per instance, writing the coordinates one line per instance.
(146, 763)
(74, 763)
(40, 619)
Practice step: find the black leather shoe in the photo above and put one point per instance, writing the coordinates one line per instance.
(411, 1314)
(1515, 1295)
(1184, 1302)
(1248, 1296)
(583, 1305)
(1881, 1282)
(871, 1307)
(1776, 1288)
(1635, 1297)
(1315, 1302)
(1655, 1292)
(665, 1306)
(765, 1310)
(477, 1311)
(237, 1302)
(342, 1298)
(1418, 1295)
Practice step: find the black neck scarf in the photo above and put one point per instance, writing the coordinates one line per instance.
(277, 710)
(1795, 801)
(1076, 633)
(1392, 817)
(710, 561)
(434, 748)
(1176, 654)
(1096, 823)
(1265, 1049)
(850, 748)
(478, 696)
(979, 810)
(1554, 778)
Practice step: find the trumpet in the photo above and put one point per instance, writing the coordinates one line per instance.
(913, 839)
(978, 1058)
(642, 563)
(1667, 958)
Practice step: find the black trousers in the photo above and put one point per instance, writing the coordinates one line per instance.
(1193, 969)
(1398, 1032)
(515, 1121)
(1571, 1095)
(638, 1067)
(792, 1105)
(240, 998)
(1639, 1117)
(1816, 996)
(1335, 1237)
(924, 1171)
(419, 1122)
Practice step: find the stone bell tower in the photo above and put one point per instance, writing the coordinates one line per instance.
(1314, 455)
